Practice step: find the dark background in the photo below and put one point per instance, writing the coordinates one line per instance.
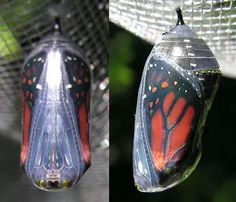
(214, 179)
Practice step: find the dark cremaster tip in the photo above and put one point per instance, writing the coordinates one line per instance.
(180, 20)
(57, 26)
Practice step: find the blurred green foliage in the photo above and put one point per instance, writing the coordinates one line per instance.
(14, 16)
(227, 192)
(121, 54)
(9, 46)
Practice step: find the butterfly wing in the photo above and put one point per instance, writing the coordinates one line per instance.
(80, 78)
(29, 79)
(167, 117)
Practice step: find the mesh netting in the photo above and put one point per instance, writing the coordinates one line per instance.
(214, 21)
(22, 24)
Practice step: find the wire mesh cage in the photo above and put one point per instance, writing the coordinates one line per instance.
(214, 21)
(22, 25)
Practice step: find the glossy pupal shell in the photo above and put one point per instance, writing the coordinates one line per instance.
(178, 85)
(55, 94)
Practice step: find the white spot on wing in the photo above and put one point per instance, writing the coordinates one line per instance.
(34, 79)
(92, 67)
(69, 58)
(38, 86)
(68, 86)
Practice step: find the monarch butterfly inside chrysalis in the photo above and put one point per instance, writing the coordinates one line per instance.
(55, 93)
(178, 85)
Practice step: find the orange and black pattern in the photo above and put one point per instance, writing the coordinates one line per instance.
(173, 109)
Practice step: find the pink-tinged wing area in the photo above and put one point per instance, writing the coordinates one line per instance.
(168, 101)
(158, 131)
(170, 130)
(180, 133)
(176, 111)
(172, 102)
(84, 129)
(25, 140)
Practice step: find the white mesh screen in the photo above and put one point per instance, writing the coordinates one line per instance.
(214, 21)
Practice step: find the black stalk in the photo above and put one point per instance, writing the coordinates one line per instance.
(57, 26)
(180, 20)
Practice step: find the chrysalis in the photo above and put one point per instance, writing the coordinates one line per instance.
(55, 93)
(179, 82)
